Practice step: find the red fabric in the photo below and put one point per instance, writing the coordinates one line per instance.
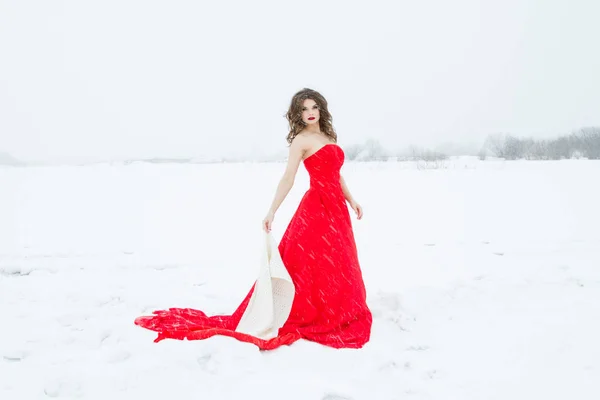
(319, 252)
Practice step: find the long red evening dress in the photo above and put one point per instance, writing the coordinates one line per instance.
(319, 252)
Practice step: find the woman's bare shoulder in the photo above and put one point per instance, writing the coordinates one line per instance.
(300, 140)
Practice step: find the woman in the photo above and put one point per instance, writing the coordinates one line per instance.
(318, 249)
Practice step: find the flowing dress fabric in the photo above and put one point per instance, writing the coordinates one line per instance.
(319, 252)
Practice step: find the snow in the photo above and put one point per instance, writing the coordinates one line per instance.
(483, 278)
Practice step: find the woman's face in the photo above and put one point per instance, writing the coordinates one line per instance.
(310, 112)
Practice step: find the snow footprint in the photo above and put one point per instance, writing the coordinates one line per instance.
(14, 355)
(63, 389)
(387, 306)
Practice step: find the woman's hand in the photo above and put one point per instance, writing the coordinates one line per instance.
(357, 209)
(268, 221)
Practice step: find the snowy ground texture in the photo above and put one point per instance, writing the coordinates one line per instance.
(483, 278)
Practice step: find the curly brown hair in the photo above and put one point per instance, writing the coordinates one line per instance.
(294, 114)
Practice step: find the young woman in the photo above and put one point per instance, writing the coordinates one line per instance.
(318, 249)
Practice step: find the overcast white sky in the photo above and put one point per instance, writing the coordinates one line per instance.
(132, 78)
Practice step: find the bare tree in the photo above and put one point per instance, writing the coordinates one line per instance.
(514, 148)
(373, 151)
(428, 159)
(527, 148)
(352, 151)
(370, 150)
(482, 154)
(560, 148)
(589, 142)
(423, 154)
(506, 146)
(539, 150)
(496, 144)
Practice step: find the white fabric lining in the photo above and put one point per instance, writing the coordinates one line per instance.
(271, 301)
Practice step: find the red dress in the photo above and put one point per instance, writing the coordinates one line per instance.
(319, 253)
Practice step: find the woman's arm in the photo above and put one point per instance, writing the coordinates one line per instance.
(346, 191)
(355, 206)
(286, 182)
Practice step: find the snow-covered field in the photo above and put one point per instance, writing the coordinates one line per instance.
(483, 277)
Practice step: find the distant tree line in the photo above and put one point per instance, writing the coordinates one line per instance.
(584, 143)
(372, 150)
